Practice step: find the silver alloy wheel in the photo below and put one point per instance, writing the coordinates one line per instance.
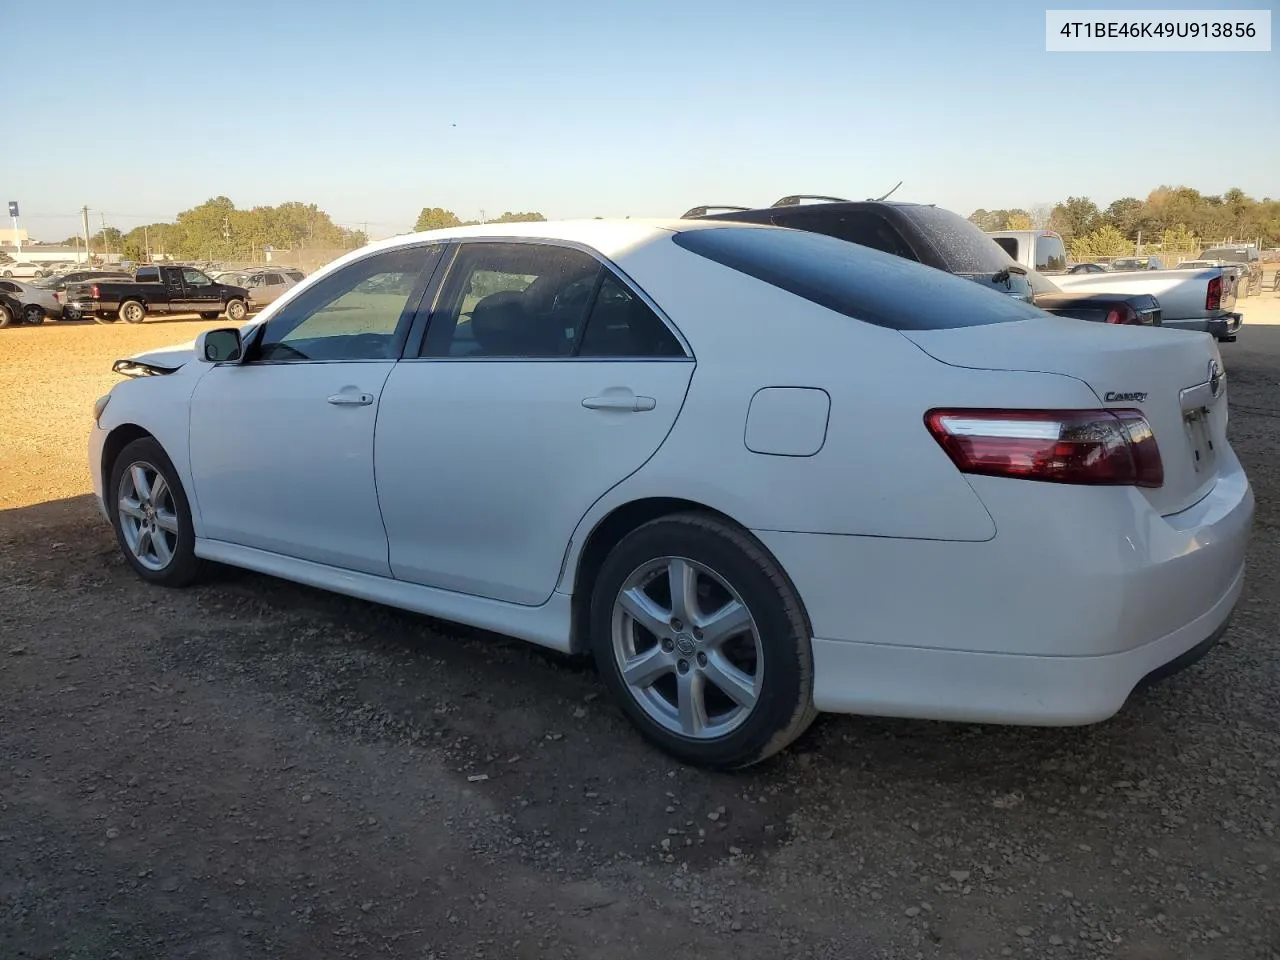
(687, 648)
(236, 311)
(133, 313)
(148, 515)
(33, 314)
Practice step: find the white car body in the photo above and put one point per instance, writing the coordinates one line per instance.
(927, 592)
(23, 269)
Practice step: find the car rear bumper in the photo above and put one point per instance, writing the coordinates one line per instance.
(1080, 595)
(957, 685)
(1226, 326)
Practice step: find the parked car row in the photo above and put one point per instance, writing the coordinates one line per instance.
(885, 491)
(108, 294)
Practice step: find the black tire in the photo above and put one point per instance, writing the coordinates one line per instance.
(132, 311)
(237, 311)
(183, 566)
(6, 316)
(71, 314)
(33, 314)
(783, 708)
(8, 273)
(39, 274)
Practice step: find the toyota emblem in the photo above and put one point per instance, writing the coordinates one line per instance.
(1215, 378)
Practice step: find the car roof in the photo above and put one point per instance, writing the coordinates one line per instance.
(606, 236)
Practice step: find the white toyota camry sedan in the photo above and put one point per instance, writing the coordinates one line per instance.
(757, 473)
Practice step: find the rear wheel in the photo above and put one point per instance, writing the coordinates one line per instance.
(151, 515)
(33, 314)
(6, 316)
(236, 311)
(701, 640)
(71, 313)
(131, 311)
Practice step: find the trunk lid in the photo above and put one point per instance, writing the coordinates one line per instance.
(1166, 374)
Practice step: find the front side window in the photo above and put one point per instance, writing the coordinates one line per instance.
(274, 278)
(353, 314)
(195, 278)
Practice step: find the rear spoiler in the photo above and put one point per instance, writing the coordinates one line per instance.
(140, 368)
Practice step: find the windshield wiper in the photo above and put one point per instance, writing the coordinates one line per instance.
(1002, 275)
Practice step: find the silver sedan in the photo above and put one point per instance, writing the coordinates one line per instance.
(31, 296)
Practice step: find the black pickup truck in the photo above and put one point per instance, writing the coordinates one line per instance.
(157, 289)
(944, 240)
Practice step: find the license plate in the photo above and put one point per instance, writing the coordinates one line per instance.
(1197, 424)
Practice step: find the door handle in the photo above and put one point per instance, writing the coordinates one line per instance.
(351, 399)
(628, 402)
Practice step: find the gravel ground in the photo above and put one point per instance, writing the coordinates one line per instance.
(254, 769)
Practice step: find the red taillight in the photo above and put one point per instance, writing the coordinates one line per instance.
(1057, 446)
(57, 297)
(93, 292)
(1213, 299)
(1122, 314)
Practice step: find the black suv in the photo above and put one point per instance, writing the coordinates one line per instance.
(940, 239)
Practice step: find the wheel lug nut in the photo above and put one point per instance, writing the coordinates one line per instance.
(683, 666)
(668, 645)
(697, 634)
(675, 623)
(702, 659)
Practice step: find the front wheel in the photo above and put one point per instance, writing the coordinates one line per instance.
(236, 311)
(701, 640)
(131, 311)
(6, 316)
(151, 515)
(33, 314)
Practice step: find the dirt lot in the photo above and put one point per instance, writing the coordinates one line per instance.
(254, 769)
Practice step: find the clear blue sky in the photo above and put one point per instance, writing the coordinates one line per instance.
(602, 108)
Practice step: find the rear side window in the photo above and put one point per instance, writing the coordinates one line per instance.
(147, 275)
(856, 281)
(868, 229)
(1051, 255)
(1009, 245)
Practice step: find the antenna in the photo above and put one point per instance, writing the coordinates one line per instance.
(890, 193)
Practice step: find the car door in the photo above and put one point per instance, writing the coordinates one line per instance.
(282, 444)
(201, 295)
(543, 380)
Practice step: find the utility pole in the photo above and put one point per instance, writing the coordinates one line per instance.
(146, 241)
(106, 247)
(84, 222)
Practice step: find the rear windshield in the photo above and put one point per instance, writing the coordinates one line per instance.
(856, 281)
(1231, 256)
(961, 245)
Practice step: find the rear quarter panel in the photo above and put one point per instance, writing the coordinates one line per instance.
(879, 473)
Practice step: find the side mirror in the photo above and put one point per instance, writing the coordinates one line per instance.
(220, 346)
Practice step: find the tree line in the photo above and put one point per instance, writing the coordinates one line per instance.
(437, 218)
(1177, 220)
(216, 230)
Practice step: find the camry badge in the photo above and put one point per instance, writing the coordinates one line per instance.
(1113, 396)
